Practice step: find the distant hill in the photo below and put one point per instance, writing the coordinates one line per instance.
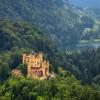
(93, 12)
(86, 3)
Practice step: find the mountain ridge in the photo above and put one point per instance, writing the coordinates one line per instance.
(86, 3)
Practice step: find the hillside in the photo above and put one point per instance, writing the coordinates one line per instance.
(93, 12)
(59, 88)
(16, 34)
(65, 23)
(86, 3)
(19, 37)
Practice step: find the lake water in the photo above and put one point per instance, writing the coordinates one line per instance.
(89, 45)
(84, 46)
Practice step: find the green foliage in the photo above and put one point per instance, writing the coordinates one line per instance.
(17, 35)
(23, 68)
(58, 88)
(84, 64)
(4, 66)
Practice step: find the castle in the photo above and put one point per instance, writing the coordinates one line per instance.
(37, 68)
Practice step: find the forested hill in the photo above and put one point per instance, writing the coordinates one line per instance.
(93, 12)
(17, 35)
(86, 3)
(65, 23)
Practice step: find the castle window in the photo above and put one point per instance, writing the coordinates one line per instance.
(38, 63)
(35, 64)
(40, 73)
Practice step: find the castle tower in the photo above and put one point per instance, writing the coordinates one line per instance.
(40, 56)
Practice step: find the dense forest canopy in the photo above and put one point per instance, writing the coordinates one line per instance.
(59, 88)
